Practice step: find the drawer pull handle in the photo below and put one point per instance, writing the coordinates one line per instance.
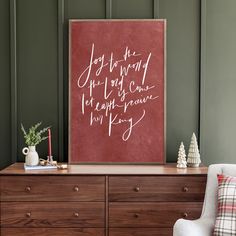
(76, 189)
(76, 214)
(137, 189)
(28, 189)
(136, 215)
(185, 214)
(28, 214)
(185, 189)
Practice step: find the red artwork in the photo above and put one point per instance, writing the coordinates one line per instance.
(117, 91)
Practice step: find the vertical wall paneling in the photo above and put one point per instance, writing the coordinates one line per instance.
(156, 9)
(131, 9)
(108, 9)
(37, 69)
(200, 45)
(85, 9)
(219, 114)
(5, 85)
(183, 28)
(202, 79)
(60, 94)
(13, 65)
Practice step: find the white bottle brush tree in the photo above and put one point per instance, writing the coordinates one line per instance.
(193, 153)
(181, 162)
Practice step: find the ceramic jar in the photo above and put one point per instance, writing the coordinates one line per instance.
(31, 156)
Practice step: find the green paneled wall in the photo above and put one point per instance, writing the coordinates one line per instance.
(141, 9)
(219, 82)
(37, 69)
(34, 77)
(5, 86)
(41, 59)
(183, 44)
(85, 9)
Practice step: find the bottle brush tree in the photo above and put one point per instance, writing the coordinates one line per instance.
(181, 162)
(193, 153)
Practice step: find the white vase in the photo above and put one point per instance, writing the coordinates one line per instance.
(31, 156)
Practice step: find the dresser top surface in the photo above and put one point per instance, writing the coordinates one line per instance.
(167, 169)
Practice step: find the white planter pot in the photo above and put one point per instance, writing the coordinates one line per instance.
(31, 156)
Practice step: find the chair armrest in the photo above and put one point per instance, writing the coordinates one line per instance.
(202, 226)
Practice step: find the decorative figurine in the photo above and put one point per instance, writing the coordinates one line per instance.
(193, 159)
(181, 162)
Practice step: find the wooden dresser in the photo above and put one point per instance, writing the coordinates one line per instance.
(99, 200)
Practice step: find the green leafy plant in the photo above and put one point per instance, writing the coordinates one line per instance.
(34, 137)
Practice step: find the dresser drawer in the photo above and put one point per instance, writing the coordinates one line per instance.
(157, 188)
(140, 231)
(151, 214)
(52, 214)
(52, 188)
(52, 232)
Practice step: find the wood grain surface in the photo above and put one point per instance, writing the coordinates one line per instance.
(52, 214)
(99, 200)
(151, 188)
(52, 188)
(140, 231)
(168, 169)
(52, 232)
(146, 214)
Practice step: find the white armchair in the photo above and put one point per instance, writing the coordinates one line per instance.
(205, 224)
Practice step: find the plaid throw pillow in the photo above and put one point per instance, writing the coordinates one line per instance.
(226, 218)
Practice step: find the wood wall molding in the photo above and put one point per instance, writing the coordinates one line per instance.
(13, 66)
(60, 95)
(202, 77)
(108, 9)
(156, 7)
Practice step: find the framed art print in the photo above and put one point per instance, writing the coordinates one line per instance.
(117, 94)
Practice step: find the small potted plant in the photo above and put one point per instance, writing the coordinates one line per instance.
(32, 138)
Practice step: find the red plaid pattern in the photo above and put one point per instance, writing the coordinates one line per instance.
(226, 218)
